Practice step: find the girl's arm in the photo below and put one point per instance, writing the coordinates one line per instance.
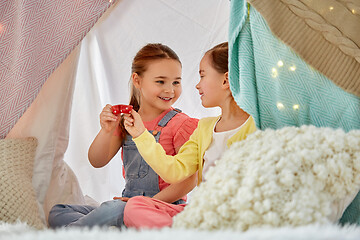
(176, 191)
(105, 145)
(173, 169)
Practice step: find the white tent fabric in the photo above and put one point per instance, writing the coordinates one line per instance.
(188, 27)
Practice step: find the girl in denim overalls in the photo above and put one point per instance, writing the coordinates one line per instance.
(156, 85)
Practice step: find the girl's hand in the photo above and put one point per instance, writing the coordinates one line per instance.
(124, 199)
(134, 124)
(108, 120)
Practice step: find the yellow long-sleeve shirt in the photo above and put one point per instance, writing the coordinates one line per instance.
(189, 159)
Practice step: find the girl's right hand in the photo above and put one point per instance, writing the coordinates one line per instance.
(108, 120)
(134, 124)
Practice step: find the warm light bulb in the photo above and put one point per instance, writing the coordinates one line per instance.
(280, 63)
(331, 8)
(280, 106)
(292, 68)
(296, 106)
(274, 72)
(353, 11)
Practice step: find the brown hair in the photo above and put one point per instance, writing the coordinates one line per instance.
(147, 54)
(219, 57)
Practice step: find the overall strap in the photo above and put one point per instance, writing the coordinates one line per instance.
(164, 121)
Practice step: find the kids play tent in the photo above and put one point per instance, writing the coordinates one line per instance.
(54, 82)
(62, 61)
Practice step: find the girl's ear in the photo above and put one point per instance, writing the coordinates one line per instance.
(136, 80)
(226, 80)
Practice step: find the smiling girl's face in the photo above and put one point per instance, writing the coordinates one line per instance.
(210, 84)
(159, 85)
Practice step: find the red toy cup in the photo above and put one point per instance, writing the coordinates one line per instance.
(117, 109)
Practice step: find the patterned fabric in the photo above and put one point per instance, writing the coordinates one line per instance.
(275, 86)
(35, 37)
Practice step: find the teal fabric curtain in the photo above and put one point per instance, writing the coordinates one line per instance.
(273, 84)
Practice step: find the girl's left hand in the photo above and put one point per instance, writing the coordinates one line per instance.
(134, 124)
(124, 199)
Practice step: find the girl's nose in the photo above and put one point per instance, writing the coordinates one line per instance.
(197, 86)
(169, 89)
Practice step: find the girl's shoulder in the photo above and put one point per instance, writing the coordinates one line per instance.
(181, 120)
(180, 128)
(208, 121)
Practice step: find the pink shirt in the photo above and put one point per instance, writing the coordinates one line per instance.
(173, 135)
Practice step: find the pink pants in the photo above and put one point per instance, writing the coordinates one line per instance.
(145, 212)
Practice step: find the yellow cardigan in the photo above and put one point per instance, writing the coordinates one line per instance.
(189, 159)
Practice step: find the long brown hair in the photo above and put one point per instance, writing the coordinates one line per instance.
(147, 54)
(219, 57)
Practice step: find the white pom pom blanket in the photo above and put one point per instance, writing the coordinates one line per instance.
(276, 178)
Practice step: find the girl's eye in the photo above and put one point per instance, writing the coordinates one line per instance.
(160, 81)
(176, 82)
(201, 76)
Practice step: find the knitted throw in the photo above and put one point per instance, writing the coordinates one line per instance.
(325, 33)
(17, 196)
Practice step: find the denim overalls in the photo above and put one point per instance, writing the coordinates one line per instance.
(140, 180)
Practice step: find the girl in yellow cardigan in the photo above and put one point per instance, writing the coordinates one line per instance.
(206, 145)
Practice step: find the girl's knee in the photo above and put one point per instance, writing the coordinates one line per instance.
(131, 211)
(134, 201)
(56, 209)
(54, 215)
(136, 198)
